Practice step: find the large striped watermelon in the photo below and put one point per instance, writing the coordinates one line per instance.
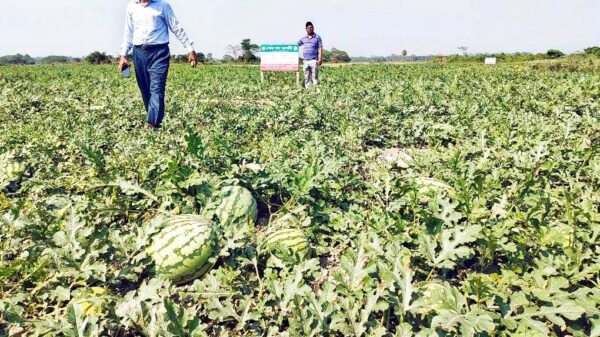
(282, 242)
(237, 207)
(182, 249)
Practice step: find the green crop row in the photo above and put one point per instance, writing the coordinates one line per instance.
(440, 200)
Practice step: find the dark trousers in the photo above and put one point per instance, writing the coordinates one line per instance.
(151, 69)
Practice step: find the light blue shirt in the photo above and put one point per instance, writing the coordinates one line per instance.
(150, 25)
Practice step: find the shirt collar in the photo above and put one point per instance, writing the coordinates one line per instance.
(309, 37)
(138, 1)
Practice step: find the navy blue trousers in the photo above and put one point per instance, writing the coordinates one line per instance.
(151, 69)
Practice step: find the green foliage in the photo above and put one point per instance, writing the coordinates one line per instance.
(501, 57)
(98, 58)
(555, 54)
(16, 59)
(338, 56)
(592, 51)
(184, 58)
(249, 50)
(326, 55)
(572, 63)
(485, 223)
(54, 59)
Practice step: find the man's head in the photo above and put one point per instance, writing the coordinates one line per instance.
(310, 29)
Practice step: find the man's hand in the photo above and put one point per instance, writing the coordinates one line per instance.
(320, 62)
(123, 63)
(192, 58)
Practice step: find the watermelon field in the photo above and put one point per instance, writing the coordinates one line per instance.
(391, 200)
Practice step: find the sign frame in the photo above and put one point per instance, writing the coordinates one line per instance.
(490, 61)
(279, 58)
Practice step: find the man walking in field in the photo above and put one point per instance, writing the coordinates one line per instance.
(313, 55)
(147, 26)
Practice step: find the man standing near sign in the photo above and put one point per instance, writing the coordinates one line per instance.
(147, 26)
(313, 55)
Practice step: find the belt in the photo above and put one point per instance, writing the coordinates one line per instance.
(150, 46)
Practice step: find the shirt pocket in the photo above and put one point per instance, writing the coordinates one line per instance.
(156, 21)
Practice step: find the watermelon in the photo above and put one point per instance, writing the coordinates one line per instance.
(237, 207)
(427, 186)
(182, 249)
(281, 242)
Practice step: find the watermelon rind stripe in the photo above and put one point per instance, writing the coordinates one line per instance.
(175, 226)
(164, 243)
(184, 246)
(237, 207)
(281, 240)
(191, 235)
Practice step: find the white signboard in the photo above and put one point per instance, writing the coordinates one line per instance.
(490, 61)
(279, 57)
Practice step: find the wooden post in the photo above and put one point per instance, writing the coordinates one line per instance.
(298, 78)
(262, 77)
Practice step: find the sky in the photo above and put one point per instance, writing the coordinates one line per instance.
(360, 27)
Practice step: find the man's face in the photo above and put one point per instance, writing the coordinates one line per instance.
(310, 30)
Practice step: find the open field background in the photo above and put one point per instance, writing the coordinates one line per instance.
(488, 226)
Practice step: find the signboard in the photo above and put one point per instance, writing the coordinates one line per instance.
(490, 61)
(279, 57)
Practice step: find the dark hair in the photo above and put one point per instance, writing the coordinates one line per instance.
(309, 24)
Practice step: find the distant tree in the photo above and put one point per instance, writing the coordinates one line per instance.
(228, 58)
(592, 51)
(98, 58)
(248, 57)
(201, 57)
(16, 59)
(52, 59)
(464, 50)
(184, 58)
(179, 58)
(555, 53)
(326, 56)
(249, 49)
(404, 53)
(209, 57)
(234, 51)
(339, 56)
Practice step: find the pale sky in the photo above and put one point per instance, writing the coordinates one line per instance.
(361, 27)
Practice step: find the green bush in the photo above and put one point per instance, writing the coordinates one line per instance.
(592, 51)
(555, 54)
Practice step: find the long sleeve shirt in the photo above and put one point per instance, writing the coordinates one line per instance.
(150, 25)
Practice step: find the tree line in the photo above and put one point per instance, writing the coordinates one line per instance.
(247, 52)
(27, 59)
(551, 54)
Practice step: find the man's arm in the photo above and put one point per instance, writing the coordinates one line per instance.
(178, 31)
(320, 60)
(127, 40)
